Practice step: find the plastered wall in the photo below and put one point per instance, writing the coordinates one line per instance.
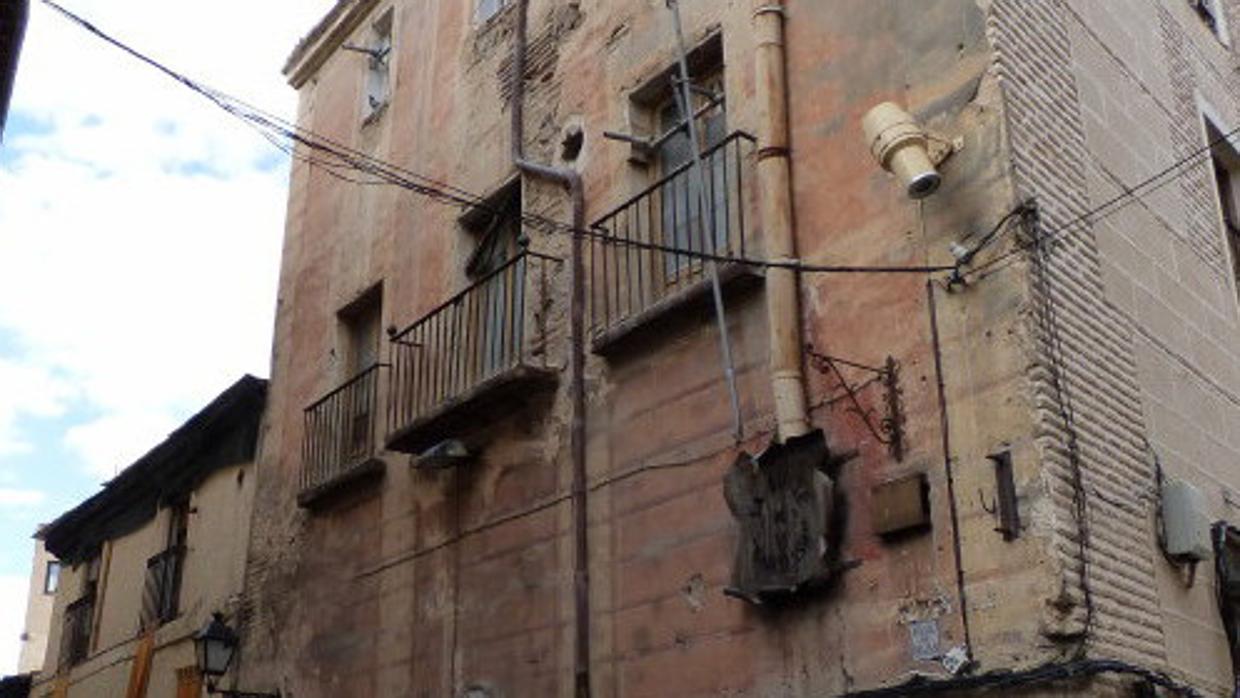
(211, 581)
(405, 586)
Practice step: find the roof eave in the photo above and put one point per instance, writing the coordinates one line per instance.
(323, 40)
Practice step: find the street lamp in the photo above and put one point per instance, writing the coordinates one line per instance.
(215, 646)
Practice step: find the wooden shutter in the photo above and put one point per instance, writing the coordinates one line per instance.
(140, 670)
(189, 682)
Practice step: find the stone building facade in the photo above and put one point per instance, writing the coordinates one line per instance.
(148, 560)
(44, 578)
(996, 493)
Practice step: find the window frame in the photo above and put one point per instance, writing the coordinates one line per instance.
(500, 6)
(648, 104)
(360, 332)
(1213, 14)
(1212, 129)
(51, 579)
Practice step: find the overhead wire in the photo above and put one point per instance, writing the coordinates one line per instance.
(384, 172)
(999, 680)
(1048, 321)
(1108, 208)
(273, 128)
(436, 189)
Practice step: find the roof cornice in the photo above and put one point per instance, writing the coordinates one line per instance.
(323, 40)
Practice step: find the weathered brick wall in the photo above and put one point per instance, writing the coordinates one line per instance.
(1101, 96)
(377, 596)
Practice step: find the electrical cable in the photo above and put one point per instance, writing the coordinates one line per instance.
(443, 192)
(1008, 679)
(1048, 320)
(1117, 203)
(437, 190)
(388, 173)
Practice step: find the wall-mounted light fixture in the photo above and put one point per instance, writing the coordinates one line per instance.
(901, 146)
(215, 646)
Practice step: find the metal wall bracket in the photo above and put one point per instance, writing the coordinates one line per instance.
(1006, 508)
(887, 430)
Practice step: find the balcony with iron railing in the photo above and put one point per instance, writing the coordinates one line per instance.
(162, 589)
(641, 258)
(460, 363)
(339, 436)
(75, 640)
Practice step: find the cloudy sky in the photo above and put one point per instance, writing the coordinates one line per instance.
(139, 245)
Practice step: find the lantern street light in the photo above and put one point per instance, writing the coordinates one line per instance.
(215, 646)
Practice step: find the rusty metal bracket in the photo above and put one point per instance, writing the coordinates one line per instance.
(889, 430)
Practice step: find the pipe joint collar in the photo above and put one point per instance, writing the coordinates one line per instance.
(779, 10)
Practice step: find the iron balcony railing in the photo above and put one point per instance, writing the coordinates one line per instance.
(75, 641)
(490, 328)
(162, 590)
(340, 429)
(627, 279)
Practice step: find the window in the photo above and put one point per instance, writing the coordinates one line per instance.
(486, 9)
(1225, 161)
(78, 633)
(1212, 14)
(680, 201)
(162, 591)
(657, 113)
(378, 68)
(90, 582)
(360, 324)
(51, 577)
(495, 229)
(1227, 572)
(686, 214)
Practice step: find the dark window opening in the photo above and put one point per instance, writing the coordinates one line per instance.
(162, 591)
(658, 110)
(1226, 164)
(1227, 570)
(495, 229)
(497, 235)
(683, 224)
(361, 323)
(1208, 11)
(79, 619)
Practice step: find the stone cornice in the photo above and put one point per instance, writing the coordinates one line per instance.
(323, 40)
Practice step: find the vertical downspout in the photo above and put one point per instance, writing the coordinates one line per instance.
(571, 180)
(775, 178)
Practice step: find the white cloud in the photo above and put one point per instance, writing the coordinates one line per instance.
(139, 235)
(112, 442)
(139, 241)
(27, 389)
(13, 589)
(20, 498)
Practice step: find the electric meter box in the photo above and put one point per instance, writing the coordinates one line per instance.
(1186, 527)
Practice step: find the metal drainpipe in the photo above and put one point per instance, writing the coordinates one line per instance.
(775, 177)
(577, 438)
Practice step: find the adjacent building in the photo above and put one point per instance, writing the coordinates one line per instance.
(984, 436)
(44, 579)
(147, 561)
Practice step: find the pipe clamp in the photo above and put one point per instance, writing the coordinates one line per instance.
(771, 9)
